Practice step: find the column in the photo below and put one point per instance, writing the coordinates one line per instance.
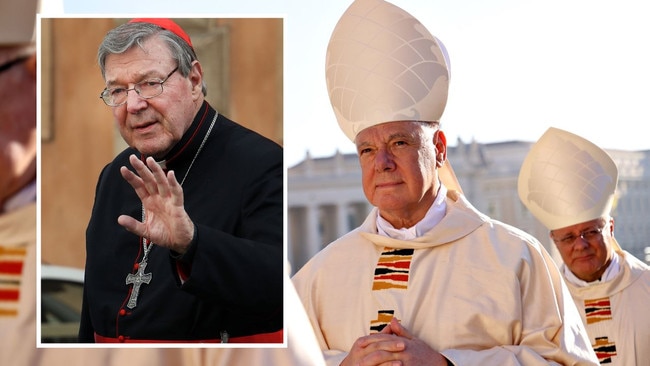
(342, 219)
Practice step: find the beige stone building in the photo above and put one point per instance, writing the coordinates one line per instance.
(325, 198)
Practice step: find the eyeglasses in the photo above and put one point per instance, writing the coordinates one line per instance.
(146, 89)
(8, 65)
(588, 235)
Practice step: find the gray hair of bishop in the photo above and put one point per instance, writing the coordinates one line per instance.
(128, 35)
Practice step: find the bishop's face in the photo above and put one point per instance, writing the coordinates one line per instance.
(153, 126)
(399, 162)
(586, 257)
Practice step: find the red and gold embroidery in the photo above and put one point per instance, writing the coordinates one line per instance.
(605, 350)
(383, 318)
(392, 271)
(11, 268)
(598, 310)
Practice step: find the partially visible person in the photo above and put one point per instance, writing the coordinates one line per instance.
(17, 183)
(302, 347)
(569, 184)
(18, 142)
(185, 240)
(426, 279)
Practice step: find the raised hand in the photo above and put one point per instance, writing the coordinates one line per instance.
(166, 222)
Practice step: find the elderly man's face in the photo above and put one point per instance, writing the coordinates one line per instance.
(587, 258)
(399, 162)
(153, 126)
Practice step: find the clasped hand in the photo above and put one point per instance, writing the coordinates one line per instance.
(393, 346)
(166, 222)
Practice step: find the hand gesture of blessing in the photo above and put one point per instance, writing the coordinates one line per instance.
(166, 223)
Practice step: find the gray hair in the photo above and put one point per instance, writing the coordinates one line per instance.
(128, 35)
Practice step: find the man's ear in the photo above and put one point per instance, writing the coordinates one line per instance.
(196, 78)
(440, 142)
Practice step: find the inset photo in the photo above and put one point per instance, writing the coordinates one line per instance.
(162, 181)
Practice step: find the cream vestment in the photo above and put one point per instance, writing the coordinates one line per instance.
(476, 290)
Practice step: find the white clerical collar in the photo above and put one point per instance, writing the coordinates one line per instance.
(612, 270)
(432, 218)
(24, 197)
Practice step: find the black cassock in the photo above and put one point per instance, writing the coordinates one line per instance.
(234, 195)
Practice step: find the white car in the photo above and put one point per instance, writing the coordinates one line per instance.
(61, 297)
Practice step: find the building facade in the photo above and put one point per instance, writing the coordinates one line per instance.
(326, 200)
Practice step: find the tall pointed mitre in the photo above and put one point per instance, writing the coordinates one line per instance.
(17, 21)
(382, 66)
(566, 180)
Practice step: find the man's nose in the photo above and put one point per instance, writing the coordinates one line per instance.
(580, 243)
(134, 102)
(384, 160)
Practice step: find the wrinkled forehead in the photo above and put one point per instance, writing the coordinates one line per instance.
(395, 129)
(579, 227)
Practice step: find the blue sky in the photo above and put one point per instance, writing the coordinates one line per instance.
(517, 66)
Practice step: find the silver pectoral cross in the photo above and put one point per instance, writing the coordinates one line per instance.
(137, 280)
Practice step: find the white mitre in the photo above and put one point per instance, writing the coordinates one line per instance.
(567, 180)
(17, 21)
(382, 66)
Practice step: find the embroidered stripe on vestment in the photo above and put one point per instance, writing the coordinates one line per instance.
(11, 268)
(391, 273)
